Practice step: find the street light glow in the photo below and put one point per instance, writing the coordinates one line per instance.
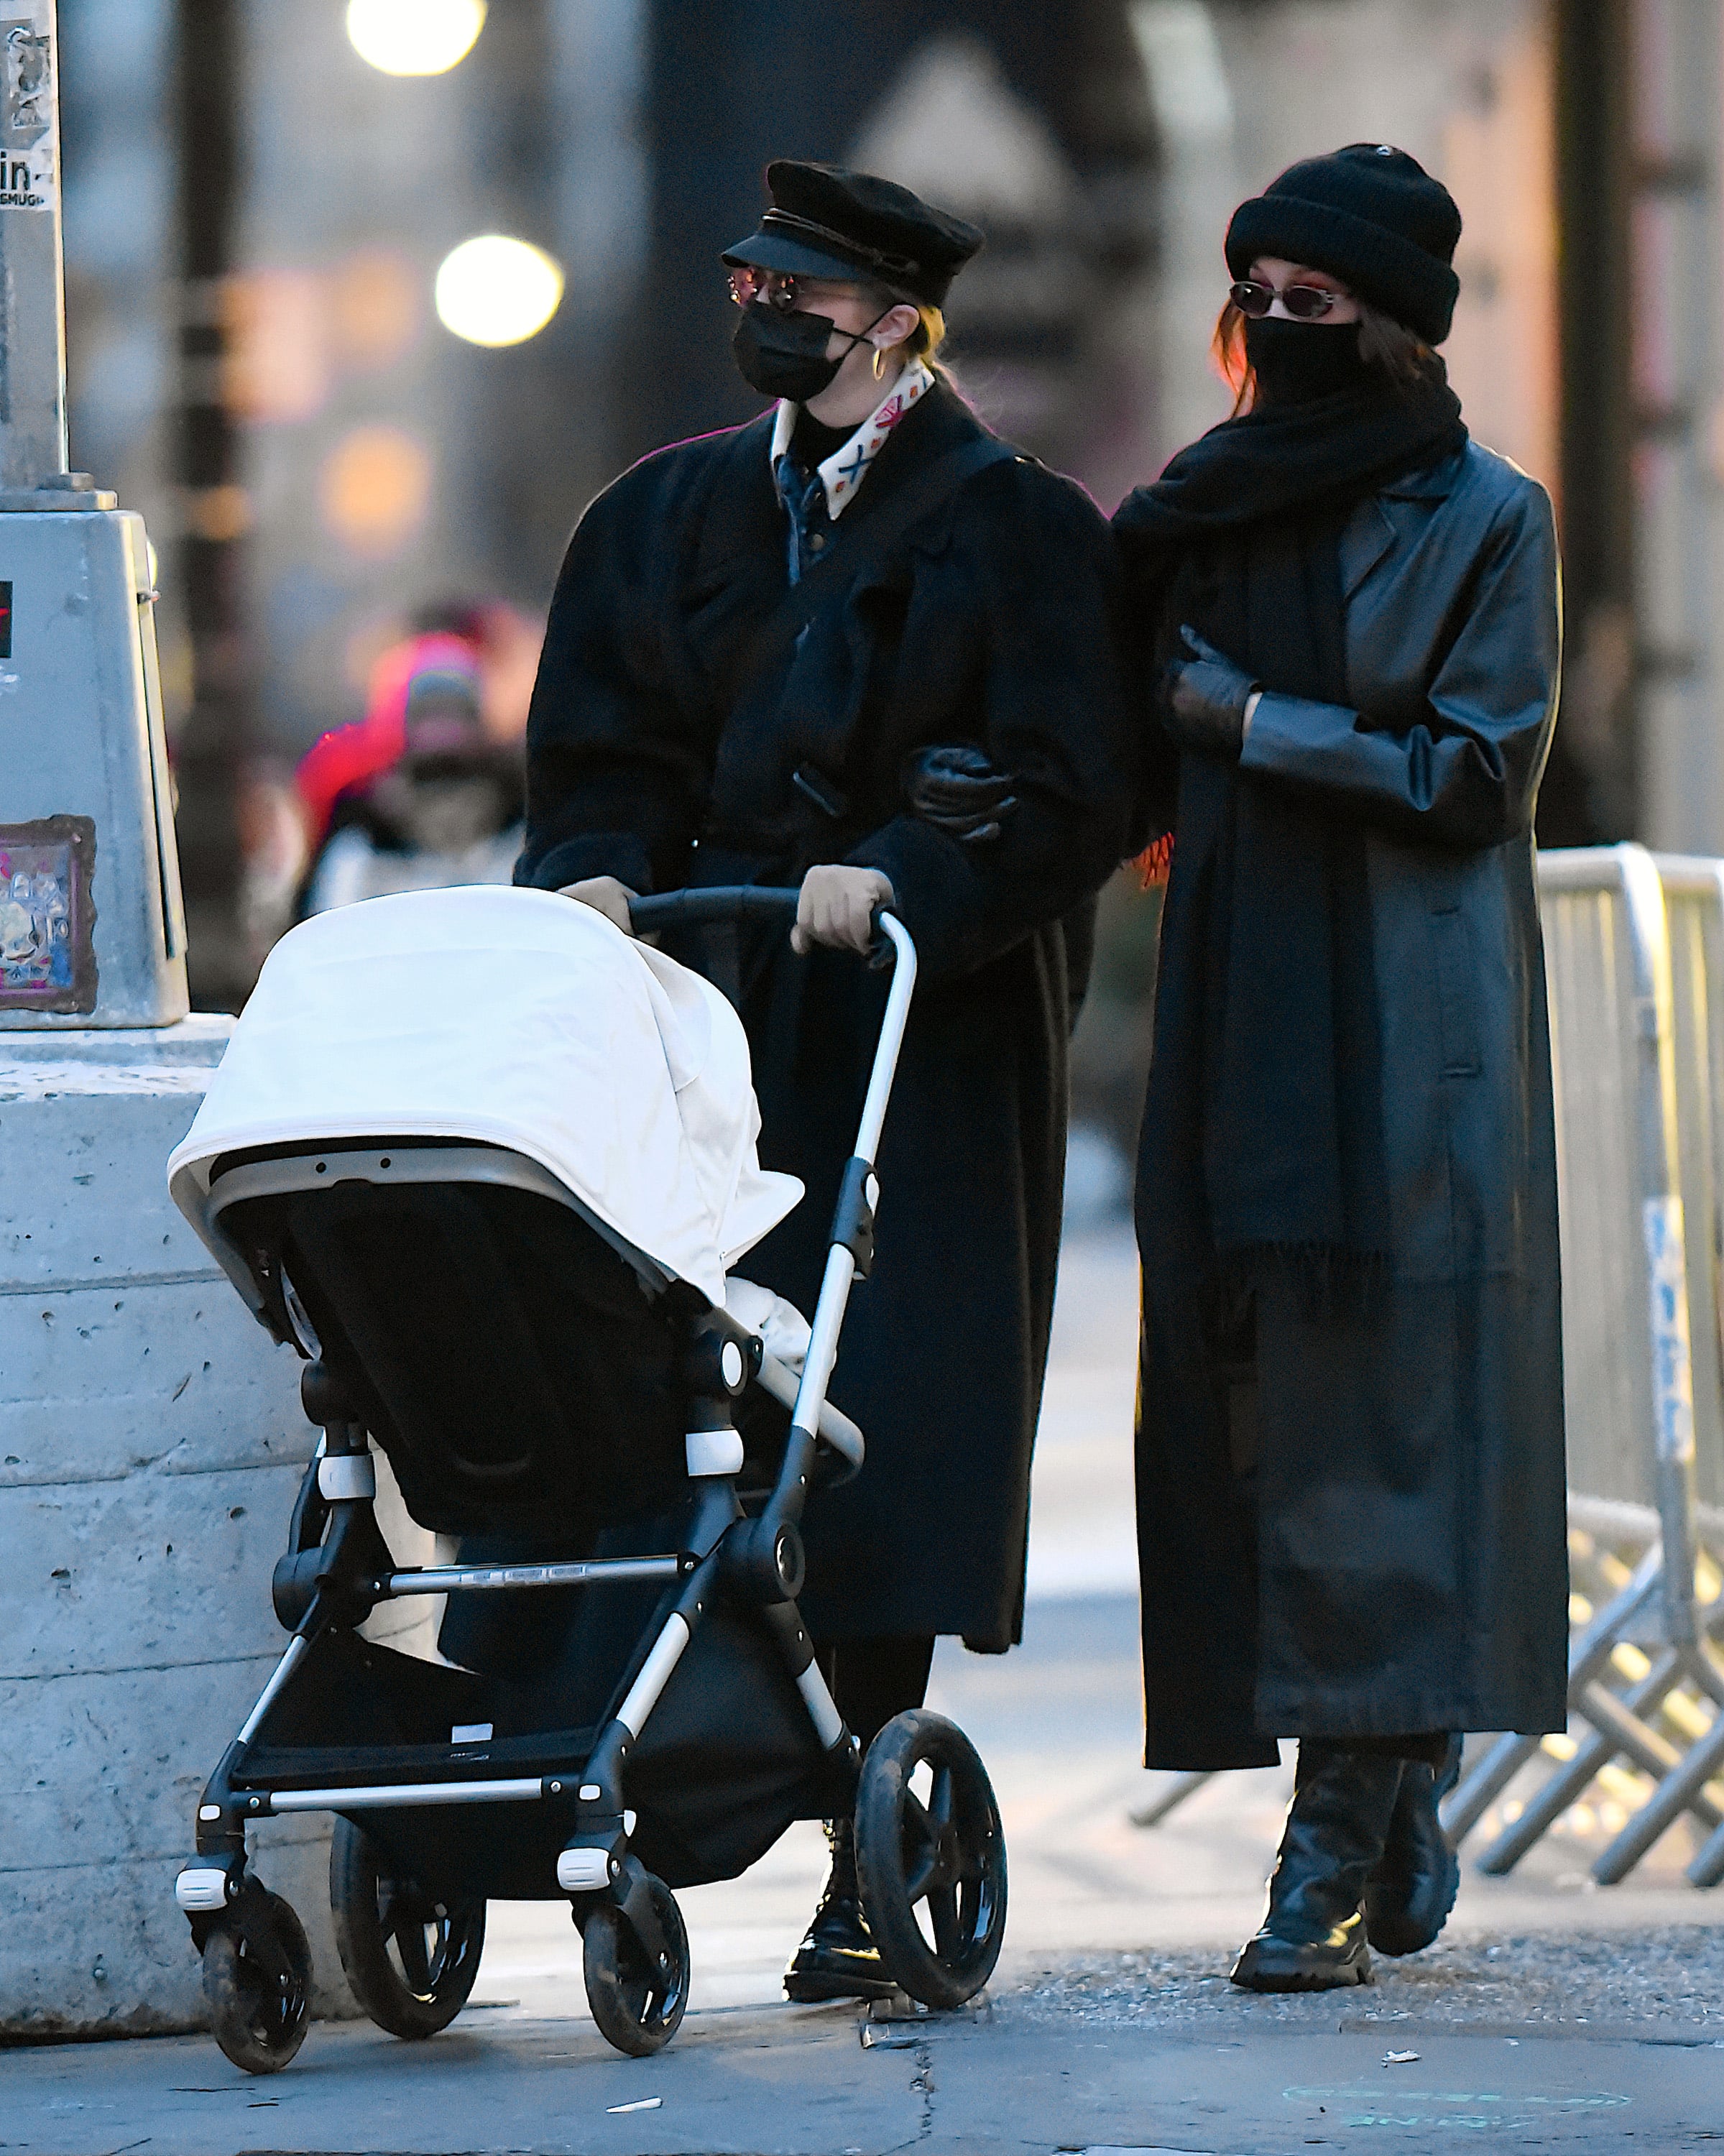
(414, 37)
(495, 290)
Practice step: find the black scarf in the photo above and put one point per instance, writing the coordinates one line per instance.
(1266, 1066)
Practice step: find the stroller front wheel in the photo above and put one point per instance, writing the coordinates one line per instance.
(638, 2005)
(257, 1983)
(411, 1959)
(928, 1832)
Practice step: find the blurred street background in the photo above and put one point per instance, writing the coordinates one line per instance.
(367, 298)
(366, 302)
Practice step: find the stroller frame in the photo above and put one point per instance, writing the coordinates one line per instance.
(338, 1567)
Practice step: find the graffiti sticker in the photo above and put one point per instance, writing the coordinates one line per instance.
(47, 922)
(28, 134)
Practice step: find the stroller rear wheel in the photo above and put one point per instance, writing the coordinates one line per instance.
(257, 1983)
(928, 1831)
(411, 1959)
(638, 2006)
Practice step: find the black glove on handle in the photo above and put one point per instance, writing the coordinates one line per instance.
(1203, 699)
(958, 791)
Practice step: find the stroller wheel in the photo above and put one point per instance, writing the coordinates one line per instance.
(928, 1832)
(257, 2015)
(412, 1960)
(638, 2007)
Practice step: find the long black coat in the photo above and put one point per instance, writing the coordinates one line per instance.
(652, 757)
(1396, 1561)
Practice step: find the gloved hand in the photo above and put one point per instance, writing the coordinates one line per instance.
(837, 907)
(958, 791)
(1203, 699)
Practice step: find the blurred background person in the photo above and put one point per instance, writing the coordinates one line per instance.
(427, 789)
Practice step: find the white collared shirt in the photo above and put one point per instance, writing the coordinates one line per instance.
(844, 470)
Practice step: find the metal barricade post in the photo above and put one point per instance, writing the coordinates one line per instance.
(1634, 1057)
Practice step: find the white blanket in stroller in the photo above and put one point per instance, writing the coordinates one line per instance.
(516, 1017)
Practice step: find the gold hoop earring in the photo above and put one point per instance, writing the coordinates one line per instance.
(880, 364)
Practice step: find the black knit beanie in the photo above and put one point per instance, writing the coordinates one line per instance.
(1369, 214)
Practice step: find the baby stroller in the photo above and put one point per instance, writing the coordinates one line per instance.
(484, 1161)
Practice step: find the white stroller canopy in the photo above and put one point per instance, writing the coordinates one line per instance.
(519, 1018)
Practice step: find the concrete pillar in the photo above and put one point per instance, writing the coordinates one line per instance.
(150, 1445)
(32, 314)
(91, 925)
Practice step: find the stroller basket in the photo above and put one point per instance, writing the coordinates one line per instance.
(565, 1403)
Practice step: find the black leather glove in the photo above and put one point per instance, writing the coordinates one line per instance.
(1203, 699)
(958, 791)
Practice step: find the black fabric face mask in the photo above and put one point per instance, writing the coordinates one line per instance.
(1296, 361)
(785, 355)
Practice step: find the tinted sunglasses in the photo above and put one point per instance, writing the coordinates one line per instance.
(778, 288)
(1305, 303)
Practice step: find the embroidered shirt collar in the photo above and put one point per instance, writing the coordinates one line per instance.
(844, 470)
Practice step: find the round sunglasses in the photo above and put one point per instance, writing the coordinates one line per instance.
(779, 288)
(1305, 303)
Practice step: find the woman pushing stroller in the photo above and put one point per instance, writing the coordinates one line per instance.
(863, 646)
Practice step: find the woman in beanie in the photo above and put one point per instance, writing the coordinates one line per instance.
(1350, 1470)
(863, 646)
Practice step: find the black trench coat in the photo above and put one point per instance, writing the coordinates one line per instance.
(1399, 1562)
(654, 757)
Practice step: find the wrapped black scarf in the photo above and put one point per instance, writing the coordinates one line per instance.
(1262, 1139)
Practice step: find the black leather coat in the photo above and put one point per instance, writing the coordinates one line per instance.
(1361, 1529)
(658, 753)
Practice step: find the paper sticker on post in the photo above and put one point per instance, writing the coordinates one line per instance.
(47, 922)
(28, 137)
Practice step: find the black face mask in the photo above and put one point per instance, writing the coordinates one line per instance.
(785, 355)
(1295, 361)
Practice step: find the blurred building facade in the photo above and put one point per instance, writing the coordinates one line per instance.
(1034, 122)
(381, 463)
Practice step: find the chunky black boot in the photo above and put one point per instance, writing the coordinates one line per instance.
(1412, 1890)
(839, 1959)
(1313, 1938)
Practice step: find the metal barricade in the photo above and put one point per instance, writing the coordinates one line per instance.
(1694, 901)
(1637, 1040)
(1694, 904)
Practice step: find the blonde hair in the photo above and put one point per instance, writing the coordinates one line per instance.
(925, 338)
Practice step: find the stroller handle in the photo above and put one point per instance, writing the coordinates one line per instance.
(721, 903)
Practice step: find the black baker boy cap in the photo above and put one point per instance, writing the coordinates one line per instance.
(825, 222)
(1369, 214)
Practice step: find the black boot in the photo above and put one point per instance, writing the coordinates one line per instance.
(839, 1959)
(1313, 1938)
(1412, 1890)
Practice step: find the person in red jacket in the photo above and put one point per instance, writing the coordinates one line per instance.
(432, 769)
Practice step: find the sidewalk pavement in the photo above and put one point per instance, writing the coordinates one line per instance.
(1550, 2014)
